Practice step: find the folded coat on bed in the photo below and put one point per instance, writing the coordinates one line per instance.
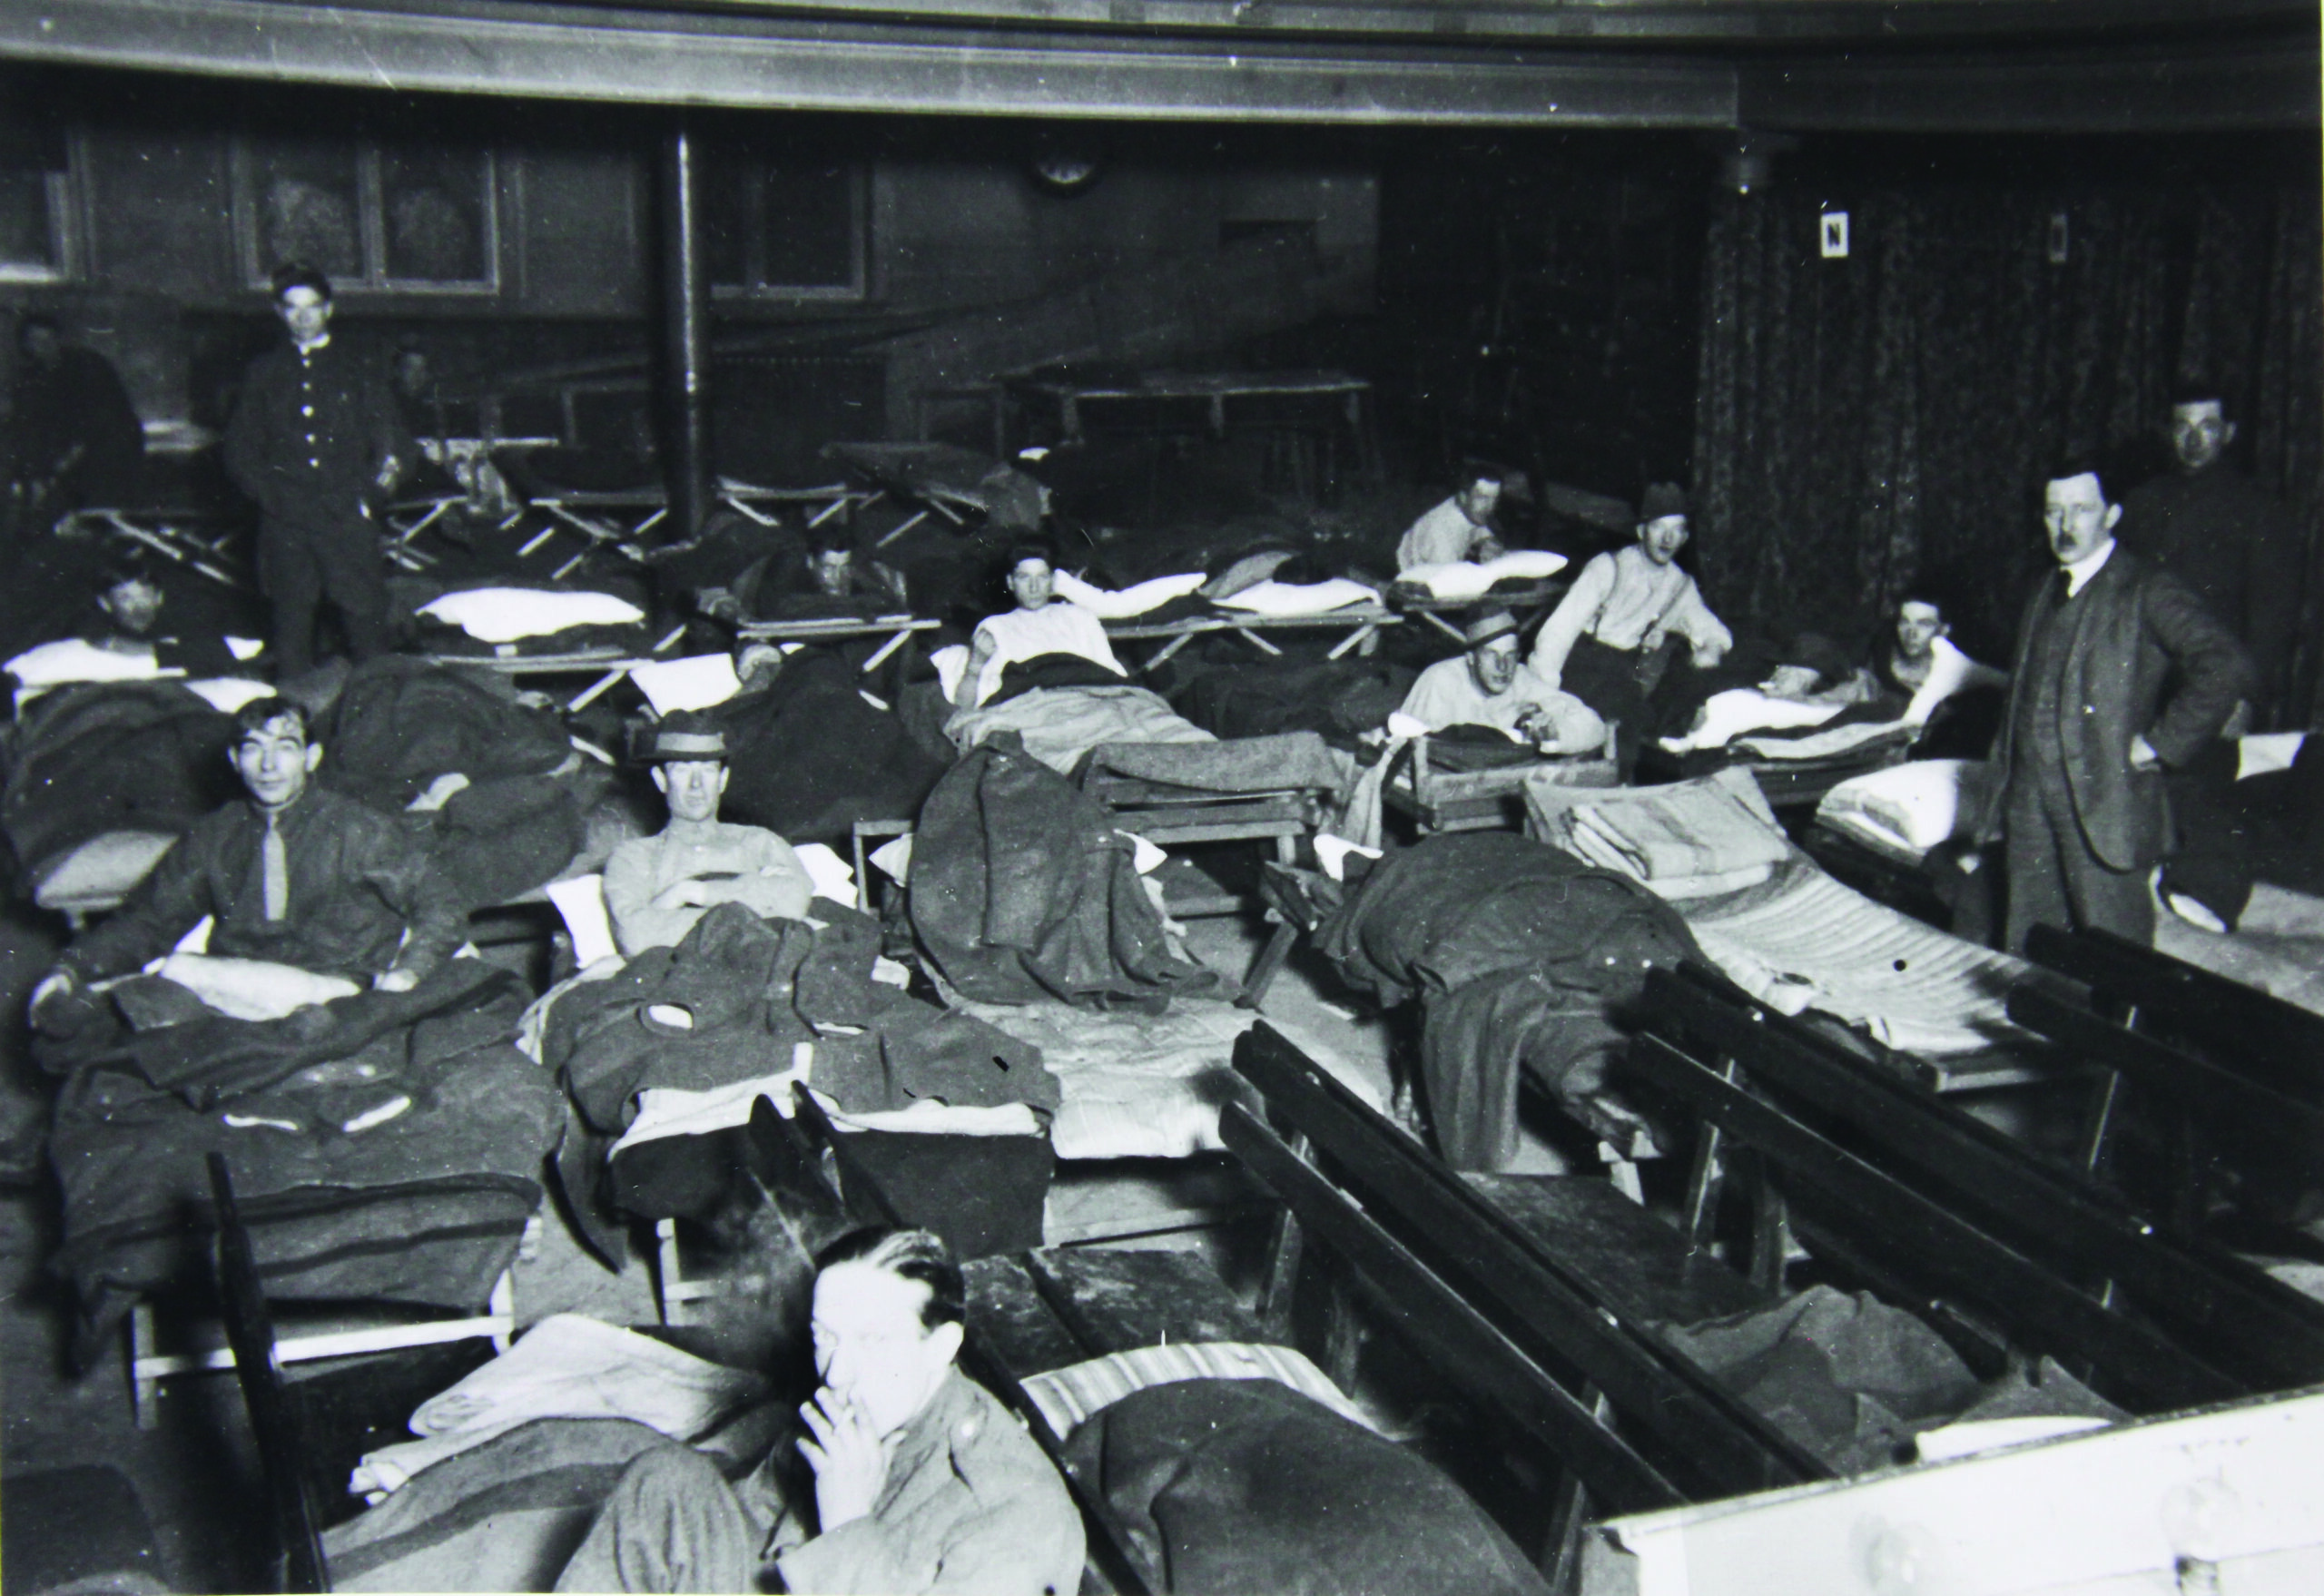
(1021, 888)
(402, 1169)
(1523, 957)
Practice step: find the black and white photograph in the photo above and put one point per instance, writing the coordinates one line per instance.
(1162, 797)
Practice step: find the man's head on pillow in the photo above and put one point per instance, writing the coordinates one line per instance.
(1492, 639)
(271, 753)
(1032, 575)
(830, 559)
(132, 597)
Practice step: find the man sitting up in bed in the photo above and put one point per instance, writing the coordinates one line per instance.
(1491, 685)
(830, 580)
(1041, 624)
(1920, 668)
(923, 1482)
(1461, 529)
(1600, 644)
(657, 887)
(297, 875)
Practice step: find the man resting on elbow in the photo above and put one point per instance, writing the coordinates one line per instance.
(657, 887)
(293, 875)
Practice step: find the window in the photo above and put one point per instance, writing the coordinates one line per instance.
(398, 216)
(36, 233)
(788, 229)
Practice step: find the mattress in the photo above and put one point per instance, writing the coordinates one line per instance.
(1804, 941)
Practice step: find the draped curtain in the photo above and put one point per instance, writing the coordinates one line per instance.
(1876, 426)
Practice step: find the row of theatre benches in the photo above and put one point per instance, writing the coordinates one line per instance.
(1537, 1300)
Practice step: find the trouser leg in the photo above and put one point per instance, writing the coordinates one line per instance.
(672, 1523)
(354, 581)
(2104, 899)
(295, 591)
(2036, 880)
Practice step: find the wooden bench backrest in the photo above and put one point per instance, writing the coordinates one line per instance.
(1734, 1448)
(2260, 1329)
(2277, 1044)
(1867, 1210)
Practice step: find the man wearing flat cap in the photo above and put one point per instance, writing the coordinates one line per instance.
(1602, 641)
(657, 887)
(1490, 686)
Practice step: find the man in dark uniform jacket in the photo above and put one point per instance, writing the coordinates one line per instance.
(297, 874)
(316, 439)
(2224, 535)
(2089, 731)
(76, 439)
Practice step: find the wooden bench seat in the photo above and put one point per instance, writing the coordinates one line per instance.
(2222, 1309)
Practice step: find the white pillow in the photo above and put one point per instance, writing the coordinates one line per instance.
(1915, 806)
(229, 694)
(696, 682)
(1473, 579)
(52, 665)
(830, 875)
(581, 904)
(504, 614)
(1294, 599)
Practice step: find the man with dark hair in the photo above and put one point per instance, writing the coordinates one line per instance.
(2224, 535)
(318, 439)
(1491, 685)
(74, 438)
(923, 1482)
(1040, 624)
(830, 579)
(296, 875)
(1456, 529)
(1603, 643)
(2121, 673)
(129, 615)
(657, 887)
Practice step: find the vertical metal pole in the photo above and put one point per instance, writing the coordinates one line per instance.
(685, 335)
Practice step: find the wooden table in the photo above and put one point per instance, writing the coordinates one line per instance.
(1211, 389)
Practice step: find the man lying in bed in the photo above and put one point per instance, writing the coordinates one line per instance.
(923, 1481)
(296, 875)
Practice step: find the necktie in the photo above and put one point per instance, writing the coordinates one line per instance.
(275, 871)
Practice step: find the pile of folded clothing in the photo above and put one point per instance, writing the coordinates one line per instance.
(1688, 840)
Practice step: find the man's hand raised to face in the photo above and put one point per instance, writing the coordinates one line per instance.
(850, 1460)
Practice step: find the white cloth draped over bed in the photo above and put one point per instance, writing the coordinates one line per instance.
(1060, 725)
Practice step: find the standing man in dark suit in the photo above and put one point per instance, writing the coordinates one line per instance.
(317, 439)
(2121, 673)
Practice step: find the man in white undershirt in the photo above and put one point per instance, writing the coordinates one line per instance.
(1453, 529)
(1041, 624)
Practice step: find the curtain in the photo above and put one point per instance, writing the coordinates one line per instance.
(1879, 427)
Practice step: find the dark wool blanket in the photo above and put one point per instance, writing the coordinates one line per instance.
(1022, 889)
(1523, 956)
(1244, 1485)
(400, 723)
(401, 1170)
(112, 756)
(811, 756)
(1338, 697)
(1289, 760)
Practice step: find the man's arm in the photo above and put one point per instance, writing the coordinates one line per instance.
(980, 651)
(164, 907)
(774, 885)
(644, 917)
(1692, 619)
(2214, 672)
(403, 873)
(1024, 1541)
(1573, 616)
